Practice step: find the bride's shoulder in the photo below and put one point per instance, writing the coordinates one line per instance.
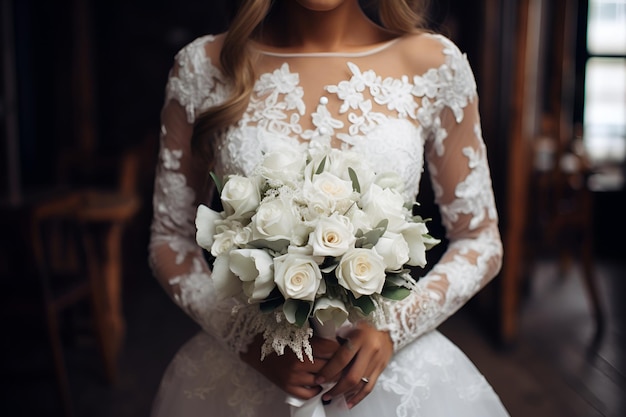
(427, 50)
(200, 50)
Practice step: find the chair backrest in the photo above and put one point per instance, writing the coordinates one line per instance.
(55, 238)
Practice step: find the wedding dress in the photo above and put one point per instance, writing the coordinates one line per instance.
(398, 103)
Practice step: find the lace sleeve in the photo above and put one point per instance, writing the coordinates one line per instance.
(180, 186)
(461, 180)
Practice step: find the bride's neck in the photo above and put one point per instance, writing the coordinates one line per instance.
(297, 29)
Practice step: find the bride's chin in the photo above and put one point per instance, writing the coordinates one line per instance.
(320, 5)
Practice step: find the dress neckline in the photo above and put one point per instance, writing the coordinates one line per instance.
(367, 52)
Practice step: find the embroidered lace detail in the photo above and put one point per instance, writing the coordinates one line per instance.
(204, 363)
(173, 222)
(196, 84)
(471, 198)
(432, 366)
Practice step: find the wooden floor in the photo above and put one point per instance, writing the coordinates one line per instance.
(555, 369)
(559, 367)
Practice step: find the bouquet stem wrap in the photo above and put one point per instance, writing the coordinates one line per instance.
(314, 407)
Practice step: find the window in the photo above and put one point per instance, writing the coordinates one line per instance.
(604, 115)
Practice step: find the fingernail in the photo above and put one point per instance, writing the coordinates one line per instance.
(320, 380)
(326, 398)
(325, 401)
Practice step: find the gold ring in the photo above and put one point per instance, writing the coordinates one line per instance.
(364, 379)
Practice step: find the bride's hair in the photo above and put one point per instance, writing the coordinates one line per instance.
(398, 16)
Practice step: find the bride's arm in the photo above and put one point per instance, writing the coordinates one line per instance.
(460, 175)
(459, 171)
(181, 184)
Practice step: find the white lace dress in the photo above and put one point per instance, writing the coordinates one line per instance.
(397, 103)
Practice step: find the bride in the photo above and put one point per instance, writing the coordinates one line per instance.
(297, 74)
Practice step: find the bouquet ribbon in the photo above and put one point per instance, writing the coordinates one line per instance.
(314, 407)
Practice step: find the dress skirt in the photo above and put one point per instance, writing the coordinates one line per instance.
(430, 377)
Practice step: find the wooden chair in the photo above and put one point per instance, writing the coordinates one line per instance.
(73, 236)
(565, 223)
(104, 215)
(49, 267)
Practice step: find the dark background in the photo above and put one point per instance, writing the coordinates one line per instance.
(72, 135)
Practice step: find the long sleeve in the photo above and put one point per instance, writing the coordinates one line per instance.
(181, 184)
(460, 175)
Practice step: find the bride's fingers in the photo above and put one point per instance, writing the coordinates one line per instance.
(359, 362)
(357, 377)
(339, 361)
(363, 389)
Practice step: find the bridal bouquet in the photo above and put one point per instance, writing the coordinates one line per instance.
(317, 237)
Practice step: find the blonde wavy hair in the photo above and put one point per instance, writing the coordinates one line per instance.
(397, 16)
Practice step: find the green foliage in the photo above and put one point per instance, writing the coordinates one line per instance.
(278, 246)
(363, 303)
(218, 182)
(320, 168)
(369, 239)
(395, 293)
(297, 311)
(355, 180)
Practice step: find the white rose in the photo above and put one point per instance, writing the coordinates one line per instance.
(359, 219)
(362, 271)
(284, 166)
(391, 180)
(223, 242)
(326, 193)
(379, 204)
(229, 234)
(226, 283)
(306, 250)
(243, 235)
(340, 161)
(275, 219)
(255, 268)
(297, 277)
(418, 243)
(206, 220)
(332, 236)
(330, 312)
(240, 196)
(394, 250)
(316, 205)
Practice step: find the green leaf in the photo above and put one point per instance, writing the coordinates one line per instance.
(303, 312)
(279, 245)
(320, 168)
(395, 280)
(395, 293)
(355, 180)
(373, 235)
(363, 303)
(297, 311)
(218, 182)
(382, 224)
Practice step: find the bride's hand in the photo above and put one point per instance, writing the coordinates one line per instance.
(357, 365)
(287, 371)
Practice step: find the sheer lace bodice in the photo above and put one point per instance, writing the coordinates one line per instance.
(398, 103)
